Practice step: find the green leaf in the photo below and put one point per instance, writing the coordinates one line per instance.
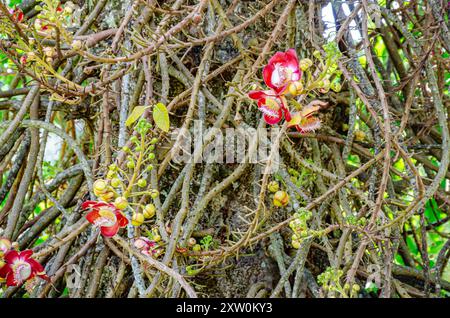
(12, 3)
(135, 114)
(161, 117)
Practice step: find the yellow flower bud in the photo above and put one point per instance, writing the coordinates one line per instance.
(197, 248)
(110, 174)
(149, 211)
(130, 164)
(280, 199)
(137, 219)
(100, 186)
(335, 86)
(295, 88)
(107, 196)
(76, 45)
(68, 10)
(142, 183)
(296, 244)
(5, 245)
(273, 186)
(121, 203)
(154, 193)
(115, 182)
(360, 135)
(48, 51)
(305, 64)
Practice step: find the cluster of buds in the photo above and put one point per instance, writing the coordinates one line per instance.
(353, 291)
(288, 78)
(107, 190)
(49, 53)
(299, 225)
(148, 212)
(119, 191)
(280, 198)
(51, 12)
(51, 21)
(18, 267)
(192, 243)
(330, 280)
(103, 190)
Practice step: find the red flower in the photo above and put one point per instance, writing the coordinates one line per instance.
(17, 14)
(20, 267)
(304, 121)
(106, 216)
(281, 70)
(59, 9)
